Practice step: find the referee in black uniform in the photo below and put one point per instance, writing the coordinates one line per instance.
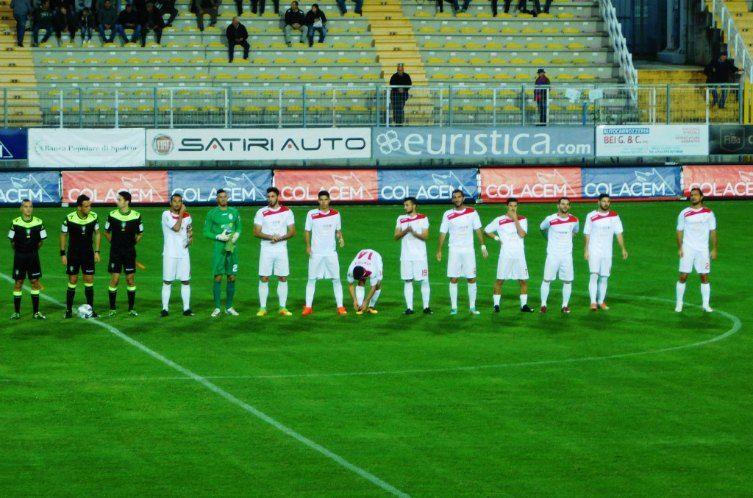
(79, 251)
(124, 230)
(26, 236)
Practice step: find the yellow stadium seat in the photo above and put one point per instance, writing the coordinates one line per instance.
(550, 31)
(482, 76)
(478, 61)
(530, 31)
(498, 61)
(427, 29)
(538, 61)
(585, 77)
(468, 30)
(432, 45)
(518, 61)
(514, 46)
(535, 46)
(555, 46)
(474, 46)
(216, 44)
(566, 15)
(453, 46)
(456, 60)
(489, 31)
(523, 77)
(509, 31)
(511, 108)
(571, 31)
(494, 46)
(565, 76)
(448, 30)
(421, 13)
(502, 77)
(282, 61)
(576, 46)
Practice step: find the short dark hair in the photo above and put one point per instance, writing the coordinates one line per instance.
(697, 189)
(563, 199)
(359, 272)
(411, 199)
(274, 189)
(221, 191)
(126, 195)
(603, 196)
(24, 201)
(457, 190)
(511, 199)
(81, 199)
(323, 192)
(176, 194)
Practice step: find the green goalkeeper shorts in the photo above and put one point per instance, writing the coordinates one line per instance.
(223, 262)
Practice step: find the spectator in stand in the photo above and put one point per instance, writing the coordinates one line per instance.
(22, 11)
(43, 20)
(65, 20)
(80, 5)
(440, 5)
(259, 5)
(295, 19)
(129, 19)
(721, 73)
(107, 17)
(400, 83)
(152, 21)
(541, 96)
(316, 21)
(521, 6)
(166, 7)
(359, 6)
(236, 35)
(86, 22)
(202, 7)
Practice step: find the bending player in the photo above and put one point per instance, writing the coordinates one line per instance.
(223, 226)
(79, 251)
(600, 229)
(559, 229)
(123, 230)
(412, 230)
(696, 225)
(177, 229)
(366, 264)
(26, 236)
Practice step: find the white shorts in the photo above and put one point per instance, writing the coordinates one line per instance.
(512, 268)
(600, 264)
(461, 265)
(324, 266)
(414, 270)
(176, 269)
(273, 263)
(695, 259)
(559, 265)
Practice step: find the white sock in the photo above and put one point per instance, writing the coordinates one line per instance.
(705, 294)
(603, 289)
(408, 293)
(544, 292)
(282, 293)
(496, 298)
(453, 296)
(472, 295)
(263, 293)
(166, 288)
(593, 287)
(680, 292)
(185, 294)
(360, 293)
(425, 292)
(375, 298)
(567, 289)
(310, 289)
(523, 300)
(337, 286)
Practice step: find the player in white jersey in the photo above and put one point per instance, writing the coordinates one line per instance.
(461, 222)
(177, 229)
(412, 230)
(510, 230)
(600, 229)
(323, 234)
(274, 225)
(696, 225)
(366, 265)
(559, 230)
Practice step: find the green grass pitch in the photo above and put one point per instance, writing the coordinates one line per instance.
(433, 406)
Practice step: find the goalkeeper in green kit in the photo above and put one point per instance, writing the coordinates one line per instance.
(223, 225)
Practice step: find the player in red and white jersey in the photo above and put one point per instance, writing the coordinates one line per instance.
(412, 230)
(559, 230)
(323, 234)
(461, 222)
(366, 265)
(696, 225)
(177, 229)
(599, 231)
(274, 225)
(510, 230)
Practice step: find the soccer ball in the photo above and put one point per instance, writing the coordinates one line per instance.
(85, 311)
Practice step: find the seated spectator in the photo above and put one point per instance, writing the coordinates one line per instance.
(22, 11)
(236, 35)
(152, 21)
(99, 4)
(202, 7)
(107, 17)
(129, 19)
(454, 3)
(260, 4)
(43, 20)
(359, 6)
(86, 22)
(65, 20)
(295, 19)
(80, 5)
(166, 7)
(316, 21)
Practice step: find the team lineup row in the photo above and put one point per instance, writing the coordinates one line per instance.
(274, 224)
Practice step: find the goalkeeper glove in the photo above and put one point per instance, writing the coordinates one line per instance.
(235, 236)
(223, 237)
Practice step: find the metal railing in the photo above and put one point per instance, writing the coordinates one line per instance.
(736, 46)
(368, 105)
(618, 42)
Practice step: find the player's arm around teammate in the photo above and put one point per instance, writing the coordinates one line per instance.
(27, 234)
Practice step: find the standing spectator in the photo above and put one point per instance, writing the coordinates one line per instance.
(166, 7)
(202, 7)
(316, 21)
(359, 6)
(152, 22)
(236, 35)
(295, 19)
(86, 22)
(65, 20)
(22, 10)
(129, 19)
(521, 6)
(400, 83)
(541, 95)
(106, 19)
(43, 20)
(261, 4)
(721, 73)
(440, 5)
